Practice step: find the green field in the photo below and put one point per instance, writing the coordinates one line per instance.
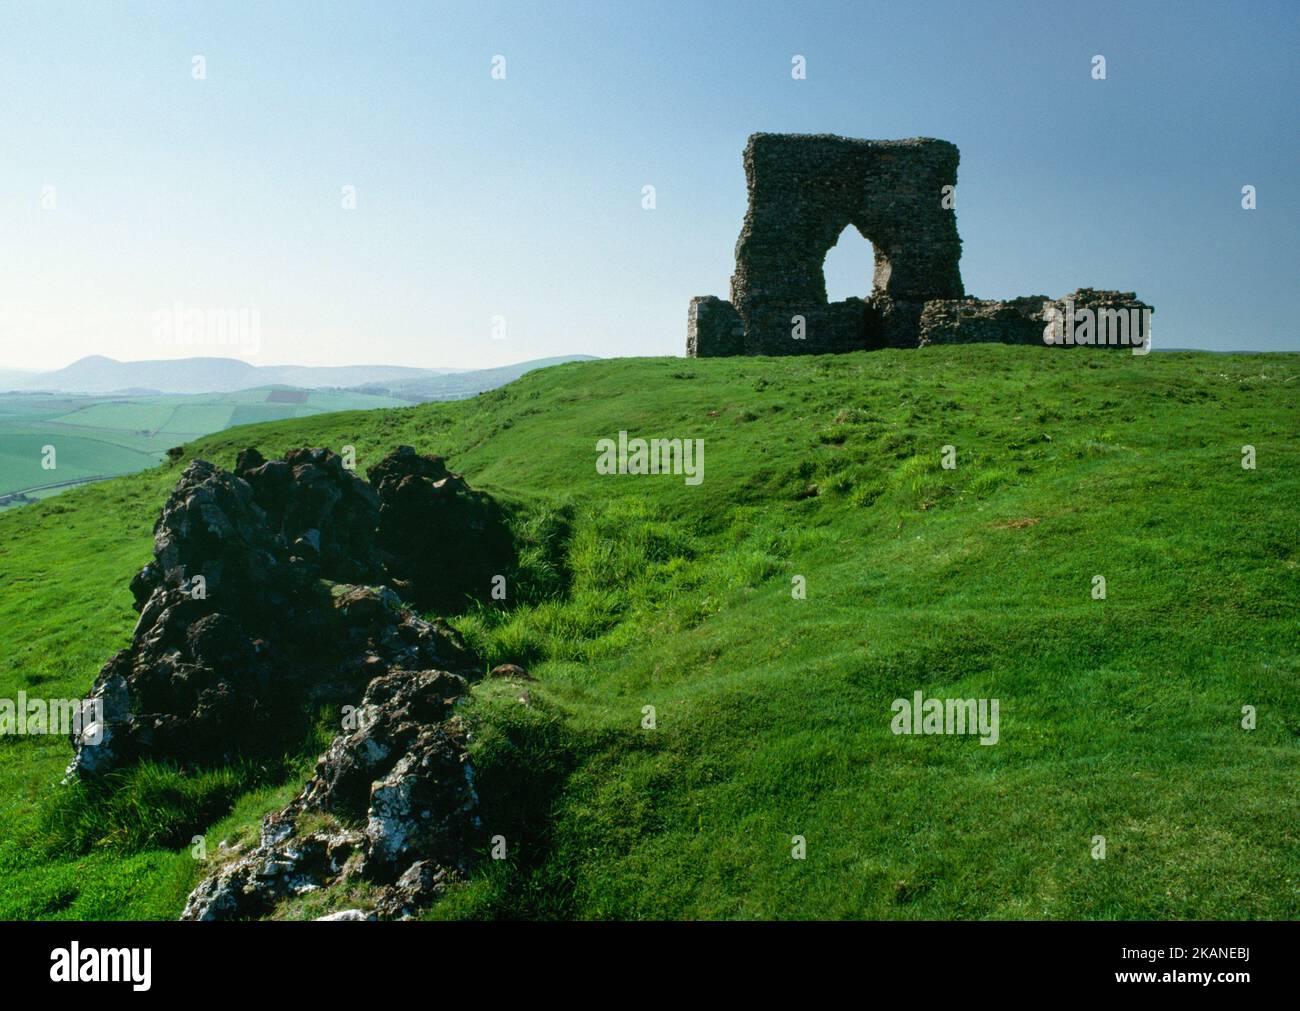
(98, 436)
(1120, 717)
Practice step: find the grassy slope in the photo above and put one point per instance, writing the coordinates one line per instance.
(1118, 718)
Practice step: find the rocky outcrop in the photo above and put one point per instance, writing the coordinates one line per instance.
(323, 511)
(398, 790)
(248, 616)
(441, 541)
(282, 587)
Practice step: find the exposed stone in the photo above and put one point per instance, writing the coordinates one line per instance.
(278, 869)
(238, 628)
(804, 190)
(320, 509)
(441, 541)
(249, 621)
(346, 916)
(418, 886)
(395, 710)
(426, 806)
(404, 773)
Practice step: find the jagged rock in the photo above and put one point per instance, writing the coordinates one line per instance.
(404, 773)
(418, 886)
(325, 513)
(427, 516)
(281, 867)
(426, 806)
(250, 615)
(376, 633)
(394, 711)
(238, 630)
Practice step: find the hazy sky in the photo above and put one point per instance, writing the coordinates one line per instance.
(522, 198)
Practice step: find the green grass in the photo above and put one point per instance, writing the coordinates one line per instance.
(1119, 717)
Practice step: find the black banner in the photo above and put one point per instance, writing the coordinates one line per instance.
(143, 960)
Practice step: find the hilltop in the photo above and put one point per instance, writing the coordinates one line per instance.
(457, 385)
(1120, 717)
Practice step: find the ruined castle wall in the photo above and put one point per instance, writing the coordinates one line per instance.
(803, 192)
(713, 329)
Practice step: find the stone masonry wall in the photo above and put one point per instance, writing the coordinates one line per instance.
(804, 190)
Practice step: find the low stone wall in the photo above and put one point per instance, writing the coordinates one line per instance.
(713, 329)
(1085, 318)
(975, 320)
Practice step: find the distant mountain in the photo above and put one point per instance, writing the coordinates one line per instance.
(97, 374)
(458, 386)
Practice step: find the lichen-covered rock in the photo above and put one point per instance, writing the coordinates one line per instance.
(420, 884)
(395, 710)
(426, 806)
(403, 777)
(279, 868)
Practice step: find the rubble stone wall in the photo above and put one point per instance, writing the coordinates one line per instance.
(804, 190)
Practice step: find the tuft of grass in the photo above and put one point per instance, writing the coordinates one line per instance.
(152, 805)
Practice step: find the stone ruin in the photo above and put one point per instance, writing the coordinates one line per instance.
(804, 190)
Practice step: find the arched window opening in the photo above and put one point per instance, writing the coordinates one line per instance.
(849, 267)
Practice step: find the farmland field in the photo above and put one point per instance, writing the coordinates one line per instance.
(95, 437)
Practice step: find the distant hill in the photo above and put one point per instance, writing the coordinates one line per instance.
(459, 385)
(97, 374)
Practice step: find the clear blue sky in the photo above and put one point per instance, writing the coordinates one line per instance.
(522, 197)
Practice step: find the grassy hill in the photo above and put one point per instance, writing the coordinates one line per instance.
(1119, 717)
(459, 385)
